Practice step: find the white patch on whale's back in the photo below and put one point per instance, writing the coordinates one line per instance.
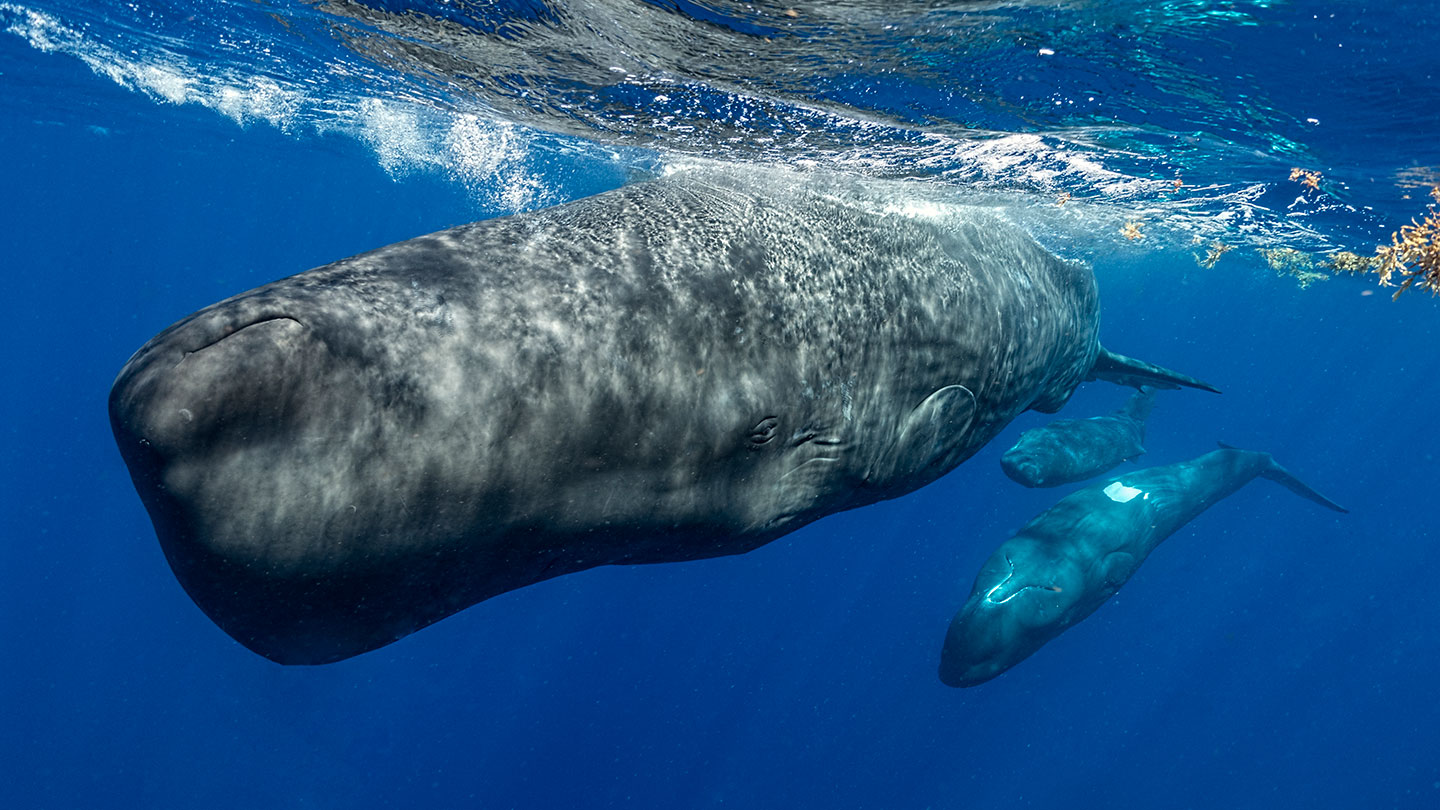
(1120, 493)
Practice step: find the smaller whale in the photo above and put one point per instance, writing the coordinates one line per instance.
(1069, 450)
(1063, 565)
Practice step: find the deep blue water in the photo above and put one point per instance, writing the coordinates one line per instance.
(1271, 654)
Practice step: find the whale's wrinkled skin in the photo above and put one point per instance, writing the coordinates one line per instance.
(678, 369)
(1064, 564)
(1070, 450)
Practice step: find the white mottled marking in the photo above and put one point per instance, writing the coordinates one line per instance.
(1120, 493)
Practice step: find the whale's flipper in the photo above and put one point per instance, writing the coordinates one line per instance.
(1122, 370)
(935, 427)
(1287, 479)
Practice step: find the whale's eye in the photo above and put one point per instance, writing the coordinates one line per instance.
(763, 433)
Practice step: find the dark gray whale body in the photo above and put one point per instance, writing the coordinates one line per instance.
(675, 370)
(1069, 450)
(1064, 564)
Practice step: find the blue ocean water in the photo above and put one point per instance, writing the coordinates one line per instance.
(162, 156)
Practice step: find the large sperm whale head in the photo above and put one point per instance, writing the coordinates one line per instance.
(1023, 597)
(224, 378)
(230, 422)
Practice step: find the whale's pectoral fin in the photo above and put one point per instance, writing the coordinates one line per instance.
(1116, 569)
(1122, 370)
(931, 432)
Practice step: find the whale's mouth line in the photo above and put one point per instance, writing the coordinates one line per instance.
(810, 462)
(230, 330)
(990, 594)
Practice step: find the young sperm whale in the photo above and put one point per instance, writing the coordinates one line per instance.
(1063, 565)
(1069, 450)
(678, 369)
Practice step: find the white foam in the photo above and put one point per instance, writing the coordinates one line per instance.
(487, 155)
(1026, 173)
(489, 158)
(162, 75)
(394, 132)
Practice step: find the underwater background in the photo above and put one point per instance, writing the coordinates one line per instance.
(160, 156)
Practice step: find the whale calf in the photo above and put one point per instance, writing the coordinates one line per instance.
(1069, 450)
(678, 369)
(1063, 565)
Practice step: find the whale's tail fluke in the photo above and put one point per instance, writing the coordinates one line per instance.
(1141, 404)
(1287, 479)
(1122, 370)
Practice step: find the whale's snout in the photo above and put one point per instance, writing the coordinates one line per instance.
(997, 630)
(205, 386)
(1022, 468)
(222, 420)
(976, 646)
(1022, 598)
